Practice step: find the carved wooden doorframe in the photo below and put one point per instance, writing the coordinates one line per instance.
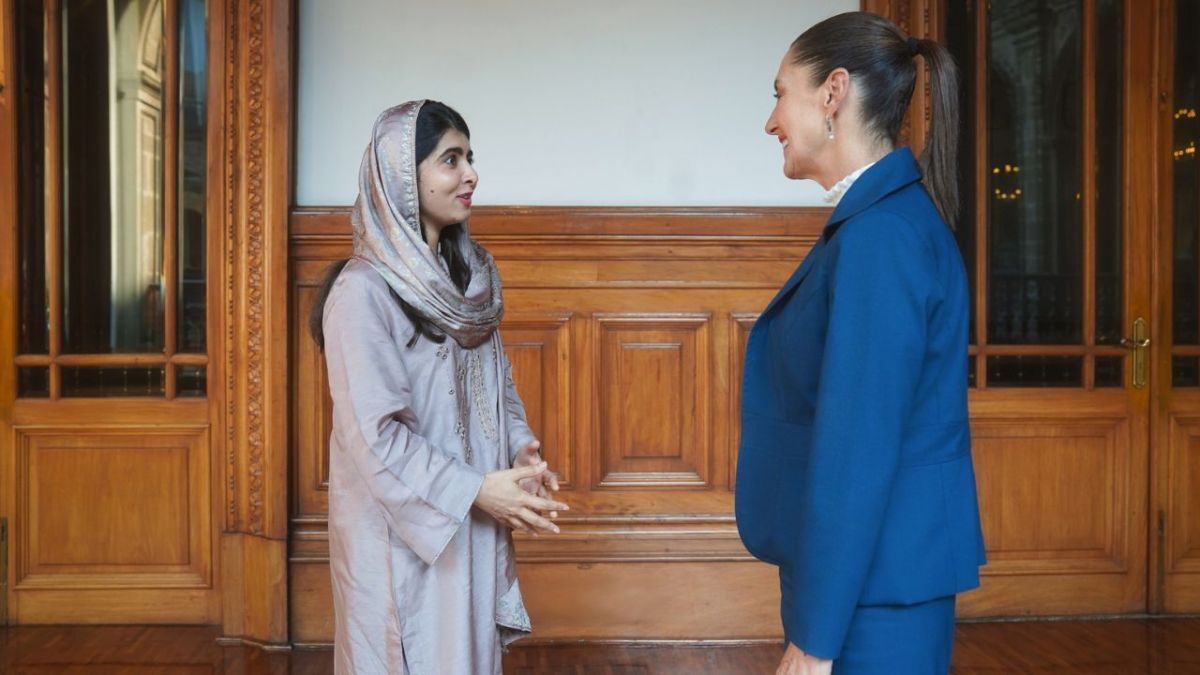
(253, 81)
(248, 170)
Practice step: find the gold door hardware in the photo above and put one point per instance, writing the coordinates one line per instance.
(1139, 344)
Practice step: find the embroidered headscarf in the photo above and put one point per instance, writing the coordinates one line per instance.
(388, 235)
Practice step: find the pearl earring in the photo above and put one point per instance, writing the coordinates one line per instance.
(829, 127)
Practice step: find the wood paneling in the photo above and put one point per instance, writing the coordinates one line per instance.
(570, 600)
(539, 348)
(159, 474)
(1185, 504)
(654, 398)
(643, 364)
(1063, 488)
(1181, 521)
(1067, 468)
(671, 600)
(310, 600)
(313, 408)
(112, 512)
(626, 328)
(741, 325)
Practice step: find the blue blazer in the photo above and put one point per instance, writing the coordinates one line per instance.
(854, 472)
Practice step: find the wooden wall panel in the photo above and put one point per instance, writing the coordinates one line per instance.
(621, 600)
(78, 493)
(1181, 538)
(654, 398)
(627, 330)
(1066, 468)
(120, 476)
(313, 410)
(741, 324)
(1062, 484)
(539, 348)
(113, 513)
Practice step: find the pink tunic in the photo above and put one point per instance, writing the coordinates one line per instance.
(422, 582)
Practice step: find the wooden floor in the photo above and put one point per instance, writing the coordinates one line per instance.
(1116, 647)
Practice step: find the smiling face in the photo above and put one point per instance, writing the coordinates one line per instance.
(447, 180)
(798, 120)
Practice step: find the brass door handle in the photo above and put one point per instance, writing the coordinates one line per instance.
(1138, 344)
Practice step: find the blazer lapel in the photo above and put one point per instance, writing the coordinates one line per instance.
(894, 171)
(799, 275)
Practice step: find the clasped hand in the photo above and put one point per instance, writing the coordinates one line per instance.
(519, 496)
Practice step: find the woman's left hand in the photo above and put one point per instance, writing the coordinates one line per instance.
(796, 662)
(540, 486)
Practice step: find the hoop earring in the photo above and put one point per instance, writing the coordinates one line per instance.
(829, 127)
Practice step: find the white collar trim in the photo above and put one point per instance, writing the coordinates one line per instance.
(834, 194)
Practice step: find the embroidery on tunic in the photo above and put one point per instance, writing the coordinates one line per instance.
(487, 420)
(461, 430)
(510, 610)
(458, 390)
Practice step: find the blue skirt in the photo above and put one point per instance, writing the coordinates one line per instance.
(899, 640)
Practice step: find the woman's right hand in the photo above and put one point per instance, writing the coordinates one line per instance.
(502, 498)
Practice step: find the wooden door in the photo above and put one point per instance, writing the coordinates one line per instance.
(1175, 519)
(106, 471)
(1056, 233)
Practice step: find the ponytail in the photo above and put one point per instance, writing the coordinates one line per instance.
(940, 156)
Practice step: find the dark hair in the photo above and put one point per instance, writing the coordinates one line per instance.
(433, 121)
(881, 59)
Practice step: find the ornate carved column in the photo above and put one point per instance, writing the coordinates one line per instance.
(251, 76)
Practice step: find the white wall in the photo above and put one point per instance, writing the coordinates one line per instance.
(570, 102)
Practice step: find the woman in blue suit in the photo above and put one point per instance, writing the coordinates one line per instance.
(854, 473)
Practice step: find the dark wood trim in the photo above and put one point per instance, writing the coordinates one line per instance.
(8, 279)
(1170, 589)
(323, 223)
(151, 359)
(170, 216)
(7, 42)
(1088, 178)
(979, 129)
(53, 182)
(1046, 350)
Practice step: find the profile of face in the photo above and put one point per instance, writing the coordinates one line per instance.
(447, 181)
(798, 119)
